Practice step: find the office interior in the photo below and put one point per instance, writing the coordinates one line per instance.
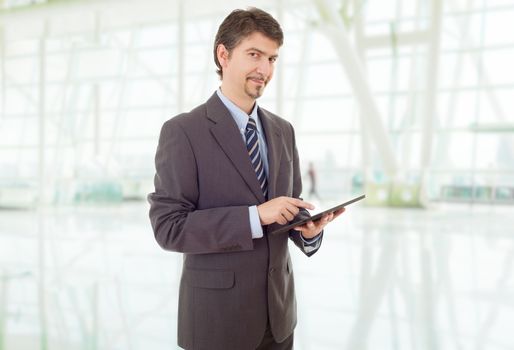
(409, 102)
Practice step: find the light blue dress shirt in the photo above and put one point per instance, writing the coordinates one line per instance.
(241, 119)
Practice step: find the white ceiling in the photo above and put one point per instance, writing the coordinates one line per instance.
(80, 15)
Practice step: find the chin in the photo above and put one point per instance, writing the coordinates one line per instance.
(254, 94)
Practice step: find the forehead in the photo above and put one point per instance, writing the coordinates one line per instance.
(260, 42)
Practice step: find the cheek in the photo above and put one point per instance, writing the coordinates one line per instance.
(271, 70)
(270, 76)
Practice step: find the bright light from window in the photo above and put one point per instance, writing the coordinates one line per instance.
(9, 4)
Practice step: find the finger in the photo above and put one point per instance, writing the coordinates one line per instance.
(316, 228)
(327, 216)
(292, 209)
(321, 223)
(338, 213)
(301, 204)
(286, 214)
(306, 227)
(301, 228)
(320, 226)
(281, 220)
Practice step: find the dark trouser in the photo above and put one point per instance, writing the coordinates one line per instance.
(269, 343)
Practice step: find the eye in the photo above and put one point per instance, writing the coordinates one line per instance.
(273, 59)
(253, 54)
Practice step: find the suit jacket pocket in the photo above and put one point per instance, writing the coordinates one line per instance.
(213, 279)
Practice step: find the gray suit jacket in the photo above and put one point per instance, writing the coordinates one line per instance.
(204, 183)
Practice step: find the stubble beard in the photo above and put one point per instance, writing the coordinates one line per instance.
(254, 92)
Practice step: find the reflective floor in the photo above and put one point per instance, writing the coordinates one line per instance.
(94, 278)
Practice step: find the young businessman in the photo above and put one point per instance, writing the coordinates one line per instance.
(227, 174)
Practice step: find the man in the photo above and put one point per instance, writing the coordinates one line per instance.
(311, 173)
(228, 175)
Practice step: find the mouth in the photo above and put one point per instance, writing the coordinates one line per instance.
(257, 81)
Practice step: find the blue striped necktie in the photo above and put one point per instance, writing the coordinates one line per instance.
(252, 144)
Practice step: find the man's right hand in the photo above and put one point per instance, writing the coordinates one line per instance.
(281, 210)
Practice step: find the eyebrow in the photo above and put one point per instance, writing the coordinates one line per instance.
(260, 51)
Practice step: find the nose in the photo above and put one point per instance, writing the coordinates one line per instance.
(265, 67)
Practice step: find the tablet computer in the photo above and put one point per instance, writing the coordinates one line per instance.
(298, 222)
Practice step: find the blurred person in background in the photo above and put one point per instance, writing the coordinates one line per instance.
(311, 174)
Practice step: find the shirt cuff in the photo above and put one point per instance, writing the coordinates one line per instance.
(310, 245)
(310, 241)
(255, 222)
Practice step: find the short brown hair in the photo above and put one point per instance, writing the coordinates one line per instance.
(240, 24)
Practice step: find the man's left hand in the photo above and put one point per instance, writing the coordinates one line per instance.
(311, 229)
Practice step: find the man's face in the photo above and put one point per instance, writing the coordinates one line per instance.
(250, 65)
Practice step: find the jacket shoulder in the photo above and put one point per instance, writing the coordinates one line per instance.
(188, 119)
(280, 122)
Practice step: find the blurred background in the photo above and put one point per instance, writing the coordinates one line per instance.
(408, 101)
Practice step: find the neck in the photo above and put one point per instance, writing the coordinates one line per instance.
(241, 100)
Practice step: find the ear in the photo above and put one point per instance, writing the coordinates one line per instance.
(223, 55)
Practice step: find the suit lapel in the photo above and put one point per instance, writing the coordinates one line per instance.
(274, 143)
(224, 130)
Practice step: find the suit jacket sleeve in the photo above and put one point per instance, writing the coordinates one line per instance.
(297, 191)
(177, 223)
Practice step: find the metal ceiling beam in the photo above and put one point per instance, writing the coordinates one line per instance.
(429, 117)
(335, 30)
(401, 39)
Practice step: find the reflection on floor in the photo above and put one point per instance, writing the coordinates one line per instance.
(94, 278)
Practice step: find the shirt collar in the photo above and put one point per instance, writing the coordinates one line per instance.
(240, 117)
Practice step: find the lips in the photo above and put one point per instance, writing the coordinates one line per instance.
(257, 81)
